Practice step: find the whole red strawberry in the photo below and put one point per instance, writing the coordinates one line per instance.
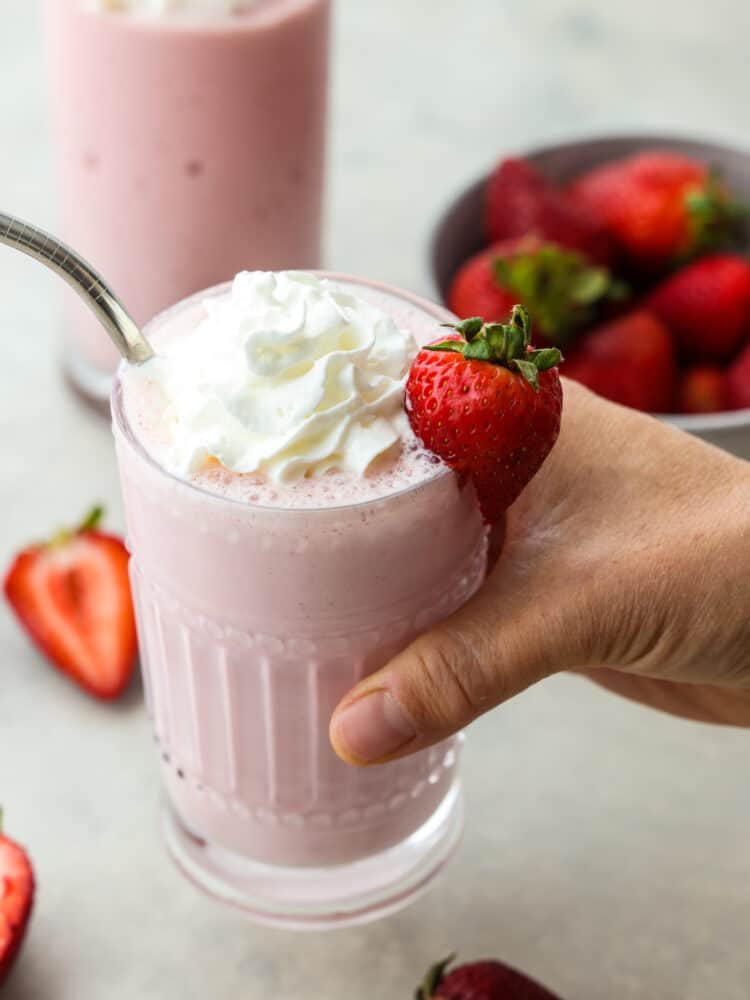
(658, 207)
(702, 389)
(706, 305)
(487, 980)
(488, 405)
(519, 200)
(16, 899)
(72, 595)
(630, 361)
(559, 287)
(738, 382)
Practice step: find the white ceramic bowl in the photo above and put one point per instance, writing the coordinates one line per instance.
(459, 233)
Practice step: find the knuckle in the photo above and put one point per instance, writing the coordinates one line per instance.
(447, 680)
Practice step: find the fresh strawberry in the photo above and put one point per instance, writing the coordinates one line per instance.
(486, 980)
(706, 305)
(559, 287)
(630, 361)
(73, 597)
(519, 200)
(475, 290)
(738, 382)
(488, 405)
(702, 389)
(16, 898)
(658, 207)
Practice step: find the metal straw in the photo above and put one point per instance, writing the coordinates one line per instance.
(59, 258)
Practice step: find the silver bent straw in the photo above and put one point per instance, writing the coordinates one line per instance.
(73, 269)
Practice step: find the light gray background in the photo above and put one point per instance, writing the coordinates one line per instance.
(607, 848)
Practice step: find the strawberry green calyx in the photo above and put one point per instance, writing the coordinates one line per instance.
(507, 344)
(92, 520)
(433, 979)
(714, 217)
(90, 523)
(561, 287)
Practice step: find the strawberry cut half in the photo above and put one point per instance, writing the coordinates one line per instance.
(72, 595)
(16, 899)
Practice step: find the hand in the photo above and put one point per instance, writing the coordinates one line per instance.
(627, 558)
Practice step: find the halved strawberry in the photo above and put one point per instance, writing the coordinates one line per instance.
(489, 405)
(16, 899)
(72, 595)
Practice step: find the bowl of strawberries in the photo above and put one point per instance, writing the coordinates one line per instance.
(632, 255)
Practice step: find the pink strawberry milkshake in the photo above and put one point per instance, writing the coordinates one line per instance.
(289, 536)
(190, 141)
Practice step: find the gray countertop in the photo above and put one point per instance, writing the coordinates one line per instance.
(607, 847)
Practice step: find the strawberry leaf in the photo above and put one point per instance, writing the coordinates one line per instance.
(516, 343)
(471, 328)
(497, 338)
(713, 215)
(433, 979)
(529, 371)
(589, 286)
(504, 344)
(521, 320)
(92, 520)
(90, 523)
(457, 346)
(478, 350)
(560, 287)
(548, 357)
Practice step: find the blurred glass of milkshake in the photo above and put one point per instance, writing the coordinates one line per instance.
(190, 139)
(289, 535)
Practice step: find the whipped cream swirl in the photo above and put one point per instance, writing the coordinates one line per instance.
(158, 7)
(287, 376)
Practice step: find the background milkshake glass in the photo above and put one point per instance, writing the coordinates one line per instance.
(253, 622)
(190, 145)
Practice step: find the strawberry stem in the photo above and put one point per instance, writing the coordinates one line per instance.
(507, 344)
(90, 523)
(433, 979)
(92, 520)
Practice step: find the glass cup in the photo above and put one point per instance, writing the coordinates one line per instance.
(188, 147)
(253, 622)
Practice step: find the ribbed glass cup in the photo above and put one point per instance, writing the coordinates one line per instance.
(253, 622)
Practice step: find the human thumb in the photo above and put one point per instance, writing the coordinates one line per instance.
(490, 650)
